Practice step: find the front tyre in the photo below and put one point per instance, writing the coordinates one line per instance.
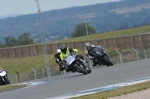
(88, 69)
(80, 69)
(1, 83)
(6, 81)
(107, 61)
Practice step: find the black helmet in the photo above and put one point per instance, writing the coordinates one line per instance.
(63, 48)
(88, 45)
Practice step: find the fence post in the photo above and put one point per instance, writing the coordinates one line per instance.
(63, 72)
(47, 69)
(117, 61)
(43, 73)
(121, 59)
(17, 76)
(34, 73)
(145, 53)
(137, 55)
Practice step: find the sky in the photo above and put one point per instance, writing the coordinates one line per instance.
(12, 7)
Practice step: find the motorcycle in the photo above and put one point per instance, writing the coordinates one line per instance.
(100, 56)
(74, 63)
(3, 77)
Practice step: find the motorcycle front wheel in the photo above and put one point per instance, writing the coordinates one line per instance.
(1, 83)
(81, 69)
(6, 81)
(89, 69)
(107, 61)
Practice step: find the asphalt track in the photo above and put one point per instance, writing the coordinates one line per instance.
(74, 82)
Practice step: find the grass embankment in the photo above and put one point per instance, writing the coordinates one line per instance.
(6, 88)
(117, 92)
(23, 67)
(24, 64)
(118, 33)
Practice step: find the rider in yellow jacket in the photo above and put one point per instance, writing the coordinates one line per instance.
(65, 51)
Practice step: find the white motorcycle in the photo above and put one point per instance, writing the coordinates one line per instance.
(3, 77)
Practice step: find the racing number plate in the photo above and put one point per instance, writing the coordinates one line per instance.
(70, 59)
(98, 53)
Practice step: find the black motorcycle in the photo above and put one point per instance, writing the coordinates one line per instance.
(74, 63)
(3, 77)
(100, 56)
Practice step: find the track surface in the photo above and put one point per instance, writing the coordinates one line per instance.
(74, 82)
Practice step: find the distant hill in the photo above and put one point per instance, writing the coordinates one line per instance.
(15, 15)
(59, 24)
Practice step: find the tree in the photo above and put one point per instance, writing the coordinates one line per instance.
(24, 39)
(2, 45)
(80, 30)
(10, 41)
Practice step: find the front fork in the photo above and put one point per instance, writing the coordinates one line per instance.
(3, 77)
(84, 64)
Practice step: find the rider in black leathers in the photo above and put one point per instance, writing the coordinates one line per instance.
(88, 47)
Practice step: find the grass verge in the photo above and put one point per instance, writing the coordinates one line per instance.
(6, 88)
(117, 92)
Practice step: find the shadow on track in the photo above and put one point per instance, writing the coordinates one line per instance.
(75, 76)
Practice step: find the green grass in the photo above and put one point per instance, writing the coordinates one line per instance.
(117, 92)
(119, 33)
(6, 88)
(23, 66)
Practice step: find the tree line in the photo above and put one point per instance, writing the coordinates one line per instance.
(83, 29)
(23, 39)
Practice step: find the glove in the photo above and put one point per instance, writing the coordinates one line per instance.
(60, 63)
